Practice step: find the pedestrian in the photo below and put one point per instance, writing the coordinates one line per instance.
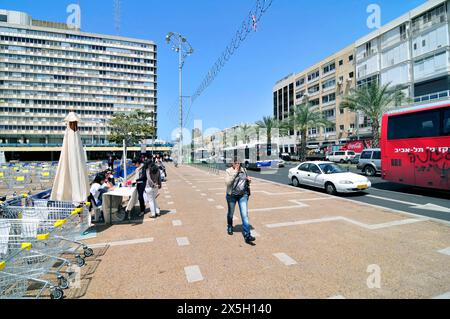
(111, 162)
(141, 184)
(153, 185)
(238, 191)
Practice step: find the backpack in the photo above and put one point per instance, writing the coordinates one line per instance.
(241, 186)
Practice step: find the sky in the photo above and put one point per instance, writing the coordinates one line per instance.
(291, 36)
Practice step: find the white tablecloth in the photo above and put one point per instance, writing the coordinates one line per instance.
(114, 199)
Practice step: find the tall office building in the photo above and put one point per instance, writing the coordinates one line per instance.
(48, 70)
(411, 53)
(323, 87)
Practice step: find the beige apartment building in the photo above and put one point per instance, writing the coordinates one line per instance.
(411, 53)
(323, 86)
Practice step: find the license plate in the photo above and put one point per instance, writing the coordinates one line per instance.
(363, 186)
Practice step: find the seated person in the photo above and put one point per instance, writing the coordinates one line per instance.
(99, 186)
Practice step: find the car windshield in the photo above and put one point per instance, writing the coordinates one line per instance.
(331, 168)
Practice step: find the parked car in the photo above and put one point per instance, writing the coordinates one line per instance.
(285, 156)
(281, 163)
(341, 156)
(355, 160)
(328, 176)
(370, 161)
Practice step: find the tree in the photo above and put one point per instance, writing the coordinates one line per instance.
(374, 100)
(132, 127)
(302, 119)
(269, 124)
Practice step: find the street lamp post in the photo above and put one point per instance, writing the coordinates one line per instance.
(184, 49)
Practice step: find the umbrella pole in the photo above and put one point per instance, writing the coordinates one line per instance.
(124, 160)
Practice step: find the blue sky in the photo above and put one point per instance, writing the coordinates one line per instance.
(293, 35)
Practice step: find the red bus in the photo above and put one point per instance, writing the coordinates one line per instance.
(415, 146)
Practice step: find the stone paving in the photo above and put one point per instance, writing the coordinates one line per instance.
(309, 245)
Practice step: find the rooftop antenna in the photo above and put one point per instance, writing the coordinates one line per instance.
(117, 15)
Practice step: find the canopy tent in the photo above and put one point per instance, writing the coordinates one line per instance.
(71, 181)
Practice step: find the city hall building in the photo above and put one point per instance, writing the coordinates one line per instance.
(48, 69)
(411, 53)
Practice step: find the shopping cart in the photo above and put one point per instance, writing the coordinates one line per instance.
(23, 262)
(72, 220)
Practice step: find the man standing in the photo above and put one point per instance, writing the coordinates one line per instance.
(238, 191)
(111, 162)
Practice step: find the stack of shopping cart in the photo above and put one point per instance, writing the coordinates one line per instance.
(39, 250)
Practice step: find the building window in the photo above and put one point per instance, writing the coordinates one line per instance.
(329, 98)
(314, 89)
(329, 84)
(329, 113)
(341, 127)
(351, 75)
(314, 102)
(312, 131)
(350, 58)
(300, 82)
(330, 130)
(313, 76)
(300, 94)
(352, 126)
(403, 32)
(3, 18)
(341, 110)
(329, 68)
(341, 62)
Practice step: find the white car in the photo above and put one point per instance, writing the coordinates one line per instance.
(341, 156)
(328, 176)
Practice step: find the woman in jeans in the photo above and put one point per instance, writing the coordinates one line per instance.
(153, 185)
(235, 176)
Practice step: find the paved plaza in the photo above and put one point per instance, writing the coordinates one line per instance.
(309, 245)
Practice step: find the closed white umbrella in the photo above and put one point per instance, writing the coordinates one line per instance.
(71, 180)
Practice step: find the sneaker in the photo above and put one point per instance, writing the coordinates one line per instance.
(230, 231)
(250, 239)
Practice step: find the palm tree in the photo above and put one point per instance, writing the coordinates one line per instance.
(302, 119)
(244, 133)
(269, 124)
(373, 100)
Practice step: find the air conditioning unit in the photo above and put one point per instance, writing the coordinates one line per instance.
(349, 79)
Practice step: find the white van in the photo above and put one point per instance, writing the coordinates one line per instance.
(341, 156)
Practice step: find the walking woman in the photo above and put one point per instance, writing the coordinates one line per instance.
(238, 191)
(153, 185)
(141, 184)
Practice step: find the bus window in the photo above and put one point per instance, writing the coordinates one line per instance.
(247, 153)
(416, 125)
(446, 123)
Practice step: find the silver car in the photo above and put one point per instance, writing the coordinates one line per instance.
(370, 161)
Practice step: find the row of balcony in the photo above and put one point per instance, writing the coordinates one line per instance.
(76, 90)
(75, 99)
(79, 67)
(134, 49)
(87, 76)
(83, 83)
(51, 55)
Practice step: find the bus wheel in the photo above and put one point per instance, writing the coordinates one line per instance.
(369, 171)
(330, 189)
(247, 165)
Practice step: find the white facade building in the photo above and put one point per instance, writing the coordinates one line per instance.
(48, 70)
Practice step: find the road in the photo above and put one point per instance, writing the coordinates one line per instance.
(423, 202)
